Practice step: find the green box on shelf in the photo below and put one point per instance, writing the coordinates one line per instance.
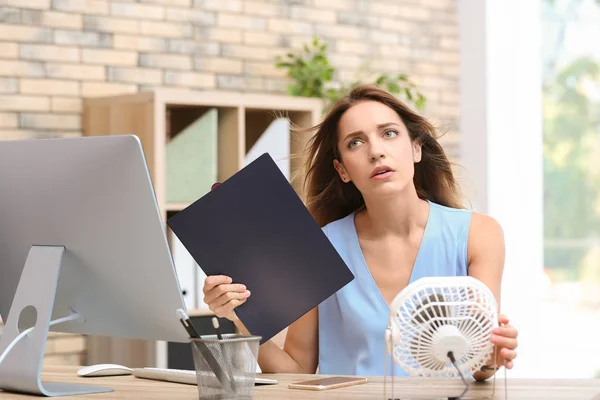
(192, 160)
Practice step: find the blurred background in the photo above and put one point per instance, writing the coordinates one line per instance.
(513, 85)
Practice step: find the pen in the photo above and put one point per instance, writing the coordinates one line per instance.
(187, 324)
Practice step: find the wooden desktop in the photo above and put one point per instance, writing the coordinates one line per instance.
(129, 387)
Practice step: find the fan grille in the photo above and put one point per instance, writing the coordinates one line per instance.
(419, 312)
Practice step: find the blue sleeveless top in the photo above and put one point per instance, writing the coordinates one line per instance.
(352, 322)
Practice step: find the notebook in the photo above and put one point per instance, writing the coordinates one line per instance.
(255, 229)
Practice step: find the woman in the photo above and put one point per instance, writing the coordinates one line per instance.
(383, 191)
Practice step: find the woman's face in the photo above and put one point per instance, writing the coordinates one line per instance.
(375, 148)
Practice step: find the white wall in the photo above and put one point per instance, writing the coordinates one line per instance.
(501, 139)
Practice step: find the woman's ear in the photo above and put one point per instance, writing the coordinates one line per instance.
(417, 151)
(341, 171)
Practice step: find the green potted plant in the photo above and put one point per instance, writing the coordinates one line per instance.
(312, 74)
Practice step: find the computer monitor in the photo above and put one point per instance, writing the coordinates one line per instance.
(80, 234)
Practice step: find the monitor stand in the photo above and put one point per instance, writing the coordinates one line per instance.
(21, 369)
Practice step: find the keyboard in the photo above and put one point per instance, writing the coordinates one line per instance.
(182, 376)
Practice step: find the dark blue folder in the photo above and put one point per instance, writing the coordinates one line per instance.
(255, 229)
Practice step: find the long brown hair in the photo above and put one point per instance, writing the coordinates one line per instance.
(329, 199)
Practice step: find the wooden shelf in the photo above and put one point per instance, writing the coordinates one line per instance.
(156, 117)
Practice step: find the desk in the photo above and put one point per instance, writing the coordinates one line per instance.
(129, 387)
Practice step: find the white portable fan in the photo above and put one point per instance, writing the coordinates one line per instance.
(440, 327)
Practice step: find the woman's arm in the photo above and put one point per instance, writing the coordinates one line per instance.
(486, 255)
(301, 349)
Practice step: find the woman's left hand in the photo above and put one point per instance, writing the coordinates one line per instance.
(505, 339)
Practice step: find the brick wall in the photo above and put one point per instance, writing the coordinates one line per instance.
(55, 52)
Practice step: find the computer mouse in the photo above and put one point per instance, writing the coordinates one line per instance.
(104, 370)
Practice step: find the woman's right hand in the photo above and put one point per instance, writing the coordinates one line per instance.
(222, 296)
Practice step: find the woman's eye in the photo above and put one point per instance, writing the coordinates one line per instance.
(390, 133)
(354, 143)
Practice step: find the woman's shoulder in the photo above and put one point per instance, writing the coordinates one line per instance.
(451, 210)
(337, 225)
(468, 221)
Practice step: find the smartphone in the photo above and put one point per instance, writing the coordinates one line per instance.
(333, 382)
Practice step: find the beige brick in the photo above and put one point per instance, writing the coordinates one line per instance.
(347, 60)
(129, 42)
(18, 134)
(237, 21)
(379, 36)
(22, 33)
(451, 57)
(415, 13)
(245, 52)
(96, 7)
(217, 64)
(137, 11)
(440, 83)
(449, 43)
(439, 4)
(333, 4)
(95, 89)
(49, 87)
(222, 35)
(110, 24)
(450, 97)
(54, 19)
(109, 57)
(13, 15)
(21, 68)
(313, 14)
(186, 15)
(191, 79)
(276, 85)
(262, 8)
(135, 75)
(394, 50)
(339, 32)
(297, 42)
(288, 27)
(83, 39)
(174, 61)
(9, 50)
(75, 71)
(237, 82)
(176, 3)
(353, 47)
(261, 38)
(49, 121)
(451, 70)
(49, 53)
(193, 47)
(358, 19)
(267, 69)
(445, 29)
(66, 104)
(384, 8)
(24, 103)
(8, 120)
(426, 68)
(37, 4)
(9, 85)
(165, 29)
(395, 25)
(219, 5)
